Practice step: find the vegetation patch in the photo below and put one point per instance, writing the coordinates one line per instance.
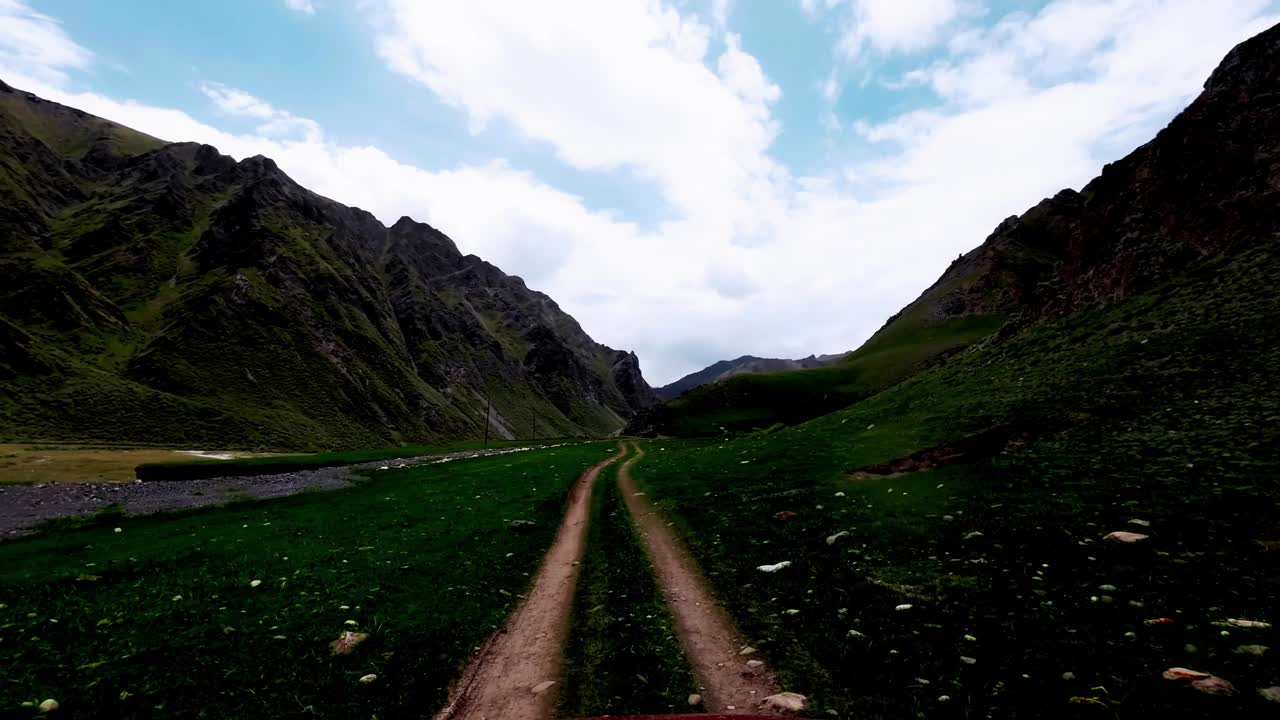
(623, 656)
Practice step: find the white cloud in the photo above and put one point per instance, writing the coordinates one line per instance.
(889, 26)
(35, 45)
(305, 7)
(276, 122)
(751, 259)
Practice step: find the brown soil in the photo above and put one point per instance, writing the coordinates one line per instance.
(527, 651)
(708, 636)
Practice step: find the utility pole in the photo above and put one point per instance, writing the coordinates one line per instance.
(488, 403)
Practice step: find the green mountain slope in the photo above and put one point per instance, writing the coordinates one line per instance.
(154, 292)
(1204, 187)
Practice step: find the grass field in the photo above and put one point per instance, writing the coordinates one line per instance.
(50, 463)
(1168, 407)
(622, 656)
(228, 613)
(272, 464)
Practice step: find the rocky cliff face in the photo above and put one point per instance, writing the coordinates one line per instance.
(167, 293)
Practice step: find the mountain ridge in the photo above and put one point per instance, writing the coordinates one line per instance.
(141, 274)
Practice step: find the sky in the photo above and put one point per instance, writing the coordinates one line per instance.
(691, 179)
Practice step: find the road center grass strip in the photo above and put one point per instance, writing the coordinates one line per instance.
(623, 657)
(228, 613)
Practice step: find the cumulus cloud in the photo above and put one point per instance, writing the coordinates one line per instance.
(749, 258)
(33, 44)
(275, 122)
(306, 7)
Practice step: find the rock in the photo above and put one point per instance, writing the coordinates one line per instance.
(904, 607)
(1107, 588)
(968, 660)
(695, 699)
(542, 687)
(255, 583)
(785, 701)
(366, 679)
(522, 525)
(831, 539)
(747, 650)
(48, 705)
(1213, 686)
(1271, 693)
(1140, 523)
(1124, 537)
(855, 634)
(1245, 624)
(753, 664)
(839, 494)
(944, 698)
(774, 568)
(347, 642)
(1068, 676)
(973, 535)
(1252, 650)
(1183, 674)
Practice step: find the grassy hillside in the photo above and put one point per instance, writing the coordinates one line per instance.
(166, 617)
(1162, 408)
(747, 403)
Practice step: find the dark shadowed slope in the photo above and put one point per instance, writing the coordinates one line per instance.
(167, 293)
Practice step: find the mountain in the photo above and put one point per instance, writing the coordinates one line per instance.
(1205, 188)
(163, 292)
(745, 365)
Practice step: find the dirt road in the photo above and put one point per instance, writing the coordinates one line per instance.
(507, 680)
(708, 635)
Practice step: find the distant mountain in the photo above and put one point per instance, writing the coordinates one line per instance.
(1206, 188)
(745, 365)
(157, 292)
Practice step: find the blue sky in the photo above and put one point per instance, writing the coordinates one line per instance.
(693, 179)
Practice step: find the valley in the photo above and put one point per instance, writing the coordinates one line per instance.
(268, 457)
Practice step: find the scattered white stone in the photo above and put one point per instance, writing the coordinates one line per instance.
(1245, 624)
(50, 704)
(255, 583)
(384, 467)
(352, 623)
(542, 687)
(1068, 676)
(944, 698)
(1140, 523)
(1252, 650)
(695, 699)
(1107, 588)
(774, 568)
(116, 530)
(753, 664)
(1124, 537)
(972, 535)
(970, 638)
(1271, 693)
(968, 660)
(839, 494)
(792, 611)
(903, 607)
(747, 650)
(785, 701)
(855, 634)
(831, 539)
(366, 679)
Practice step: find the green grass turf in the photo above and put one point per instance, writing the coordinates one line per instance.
(623, 656)
(159, 620)
(753, 402)
(1171, 403)
(197, 469)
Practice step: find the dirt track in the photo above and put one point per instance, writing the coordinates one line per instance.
(706, 632)
(527, 652)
